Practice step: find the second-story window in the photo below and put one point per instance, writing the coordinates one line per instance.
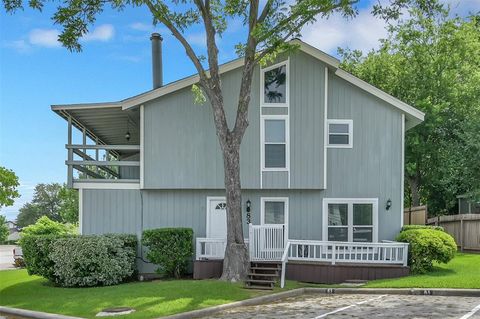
(275, 85)
(340, 133)
(275, 145)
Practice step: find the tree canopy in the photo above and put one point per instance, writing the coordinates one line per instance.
(433, 63)
(55, 201)
(8, 187)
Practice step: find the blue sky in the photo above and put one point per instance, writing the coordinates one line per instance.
(35, 72)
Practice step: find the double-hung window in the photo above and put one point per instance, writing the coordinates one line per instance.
(352, 220)
(340, 133)
(275, 148)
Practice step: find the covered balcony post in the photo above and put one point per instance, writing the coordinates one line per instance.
(70, 154)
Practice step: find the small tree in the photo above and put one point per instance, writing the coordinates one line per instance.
(8, 187)
(270, 25)
(4, 231)
(46, 226)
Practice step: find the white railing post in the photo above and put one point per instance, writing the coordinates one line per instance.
(198, 249)
(284, 264)
(405, 255)
(334, 252)
(251, 241)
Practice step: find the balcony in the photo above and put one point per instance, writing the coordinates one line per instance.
(103, 144)
(120, 163)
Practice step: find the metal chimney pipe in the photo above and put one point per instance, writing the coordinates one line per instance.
(157, 68)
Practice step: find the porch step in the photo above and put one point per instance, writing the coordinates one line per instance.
(257, 274)
(263, 275)
(265, 268)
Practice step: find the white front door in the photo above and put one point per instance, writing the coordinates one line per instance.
(216, 217)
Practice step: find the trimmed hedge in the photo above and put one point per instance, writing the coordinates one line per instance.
(426, 246)
(170, 248)
(81, 260)
(410, 227)
(36, 250)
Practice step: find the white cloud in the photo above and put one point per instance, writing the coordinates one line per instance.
(361, 32)
(44, 37)
(104, 32)
(140, 26)
(19, 45)
(198, 39)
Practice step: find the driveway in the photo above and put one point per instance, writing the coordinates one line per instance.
(6, 257)
(360, 307)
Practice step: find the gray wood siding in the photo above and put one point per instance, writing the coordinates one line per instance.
(181, 147)
(111, 211)
(307, 88)
(373, 167)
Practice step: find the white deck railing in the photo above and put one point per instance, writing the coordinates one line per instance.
(267, 242)
(323, 251)
(211, 248)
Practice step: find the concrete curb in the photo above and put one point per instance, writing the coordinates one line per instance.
(33, 314)
(398, 291)
(248, 302)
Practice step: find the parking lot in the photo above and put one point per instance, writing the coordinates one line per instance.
(318, 306)
(6, 256)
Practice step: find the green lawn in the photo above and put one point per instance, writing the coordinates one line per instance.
(462, 272)
(150, 299)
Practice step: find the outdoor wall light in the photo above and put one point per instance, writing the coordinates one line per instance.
(389, 204)
(249, 204)
(127, 136)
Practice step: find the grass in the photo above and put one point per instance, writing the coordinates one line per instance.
(166, 297)
(150, 299)
(461, 272)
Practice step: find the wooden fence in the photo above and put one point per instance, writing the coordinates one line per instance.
(465, 228)
(415, 215)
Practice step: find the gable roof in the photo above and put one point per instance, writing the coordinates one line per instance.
(413, 115)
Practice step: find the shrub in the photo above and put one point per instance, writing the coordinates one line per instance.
(81, 261)
(410, 227)
(426, 246)
(170, 248)
(36, 250)
(46, 226)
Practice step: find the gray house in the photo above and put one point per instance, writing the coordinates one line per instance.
(321, 168)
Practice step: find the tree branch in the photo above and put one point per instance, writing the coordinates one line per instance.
(204, 80)
(241, 120)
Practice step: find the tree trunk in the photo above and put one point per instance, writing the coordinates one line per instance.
(414, 184)
(235, 263)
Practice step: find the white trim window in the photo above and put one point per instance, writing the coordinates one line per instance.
(274, 211)
(340, 133)
(275, 140)
(274, 85)
(350, 220)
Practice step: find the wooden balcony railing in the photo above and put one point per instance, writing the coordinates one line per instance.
(92, 168)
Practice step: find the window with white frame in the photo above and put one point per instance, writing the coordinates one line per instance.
(340, 133)
(274, 82)
(352, 220)
(275, 142)
(274, 211)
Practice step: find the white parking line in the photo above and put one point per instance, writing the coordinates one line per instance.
(351, 306)
(471, 313)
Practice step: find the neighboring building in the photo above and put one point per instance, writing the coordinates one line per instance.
(14, 231)
(466, 205)
(321, 161)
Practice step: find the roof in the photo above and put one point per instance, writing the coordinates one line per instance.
(413, 116)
